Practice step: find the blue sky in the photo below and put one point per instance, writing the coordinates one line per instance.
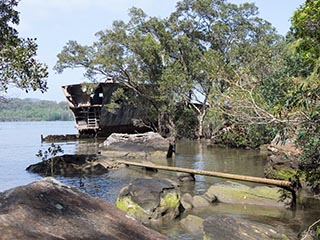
(54, 22)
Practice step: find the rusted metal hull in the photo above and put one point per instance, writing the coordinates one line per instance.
(93, 118)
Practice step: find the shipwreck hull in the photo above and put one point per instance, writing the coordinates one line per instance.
(89, 105)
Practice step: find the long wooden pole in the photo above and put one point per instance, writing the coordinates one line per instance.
(279, 183)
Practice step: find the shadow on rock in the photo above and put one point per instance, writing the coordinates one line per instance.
(74, 165)
(151, 201)
(47, 209)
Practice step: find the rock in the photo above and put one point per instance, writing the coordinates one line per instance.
(185, 177)
(210, 197)
(48, 209)
(192, 224)
(282, 161)
(150, 200)
(145, 145)
(72, 165)
(59, 138)
(200, 202)
(236, 193)
(230, 227)
(143, 141)
(186, 201)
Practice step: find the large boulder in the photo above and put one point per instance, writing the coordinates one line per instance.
(282, 161)
(48, 209)
(141, 141)
(235, 193)
(72, 165)
(237, 228)
(150, 200)
(143, 145)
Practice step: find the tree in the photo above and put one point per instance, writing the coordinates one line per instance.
(187, 59)
(229, 53)
(138, 55)
(18, 64)
(304, 96)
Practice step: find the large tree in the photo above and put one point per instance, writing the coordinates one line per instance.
(135, 55)
(304, 95)
(18, 64)
(231, 53)
(184, 60)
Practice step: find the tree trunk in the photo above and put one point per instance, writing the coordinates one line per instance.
(200, 118)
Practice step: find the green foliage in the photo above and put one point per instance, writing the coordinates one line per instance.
(244, 136)
(48, 155)
(186, 123)
(203, 44)
(304, 95)
(308, 140)
(34, 110)
(52, 151)
(18, 65)
(306, 26)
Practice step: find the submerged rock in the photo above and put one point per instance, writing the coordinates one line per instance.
(48, 209)
(231, 227)
(192, 224)
(71, 165)
(150, 200)
(60, 138)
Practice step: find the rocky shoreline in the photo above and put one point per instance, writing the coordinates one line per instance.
(149, 201)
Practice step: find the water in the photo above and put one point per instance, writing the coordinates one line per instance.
(20, 141)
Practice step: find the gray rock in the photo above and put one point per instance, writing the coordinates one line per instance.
(200, 202)
(149, 141)
(282, 161)
(192, 224)
(150, 200)
(185, 177)
(148, 145)
(235, 193)
(186, 201)
(48, 209)
(210, 196)
(236, 228)
(71, 165)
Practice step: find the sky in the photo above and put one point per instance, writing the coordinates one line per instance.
(54, 22)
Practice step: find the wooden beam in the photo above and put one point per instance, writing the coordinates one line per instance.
(279, 183)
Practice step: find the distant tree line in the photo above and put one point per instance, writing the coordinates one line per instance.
(16, 109)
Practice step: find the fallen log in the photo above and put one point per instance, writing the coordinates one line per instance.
(287, 185)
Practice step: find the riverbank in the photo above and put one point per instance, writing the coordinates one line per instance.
(191, 154)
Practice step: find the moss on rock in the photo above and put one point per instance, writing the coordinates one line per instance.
(150, 200)
(131, 208)
(171, 200)
(241, 194)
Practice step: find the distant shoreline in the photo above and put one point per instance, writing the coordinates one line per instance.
(30, 110)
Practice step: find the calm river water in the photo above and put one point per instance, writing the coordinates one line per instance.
(20, 141)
